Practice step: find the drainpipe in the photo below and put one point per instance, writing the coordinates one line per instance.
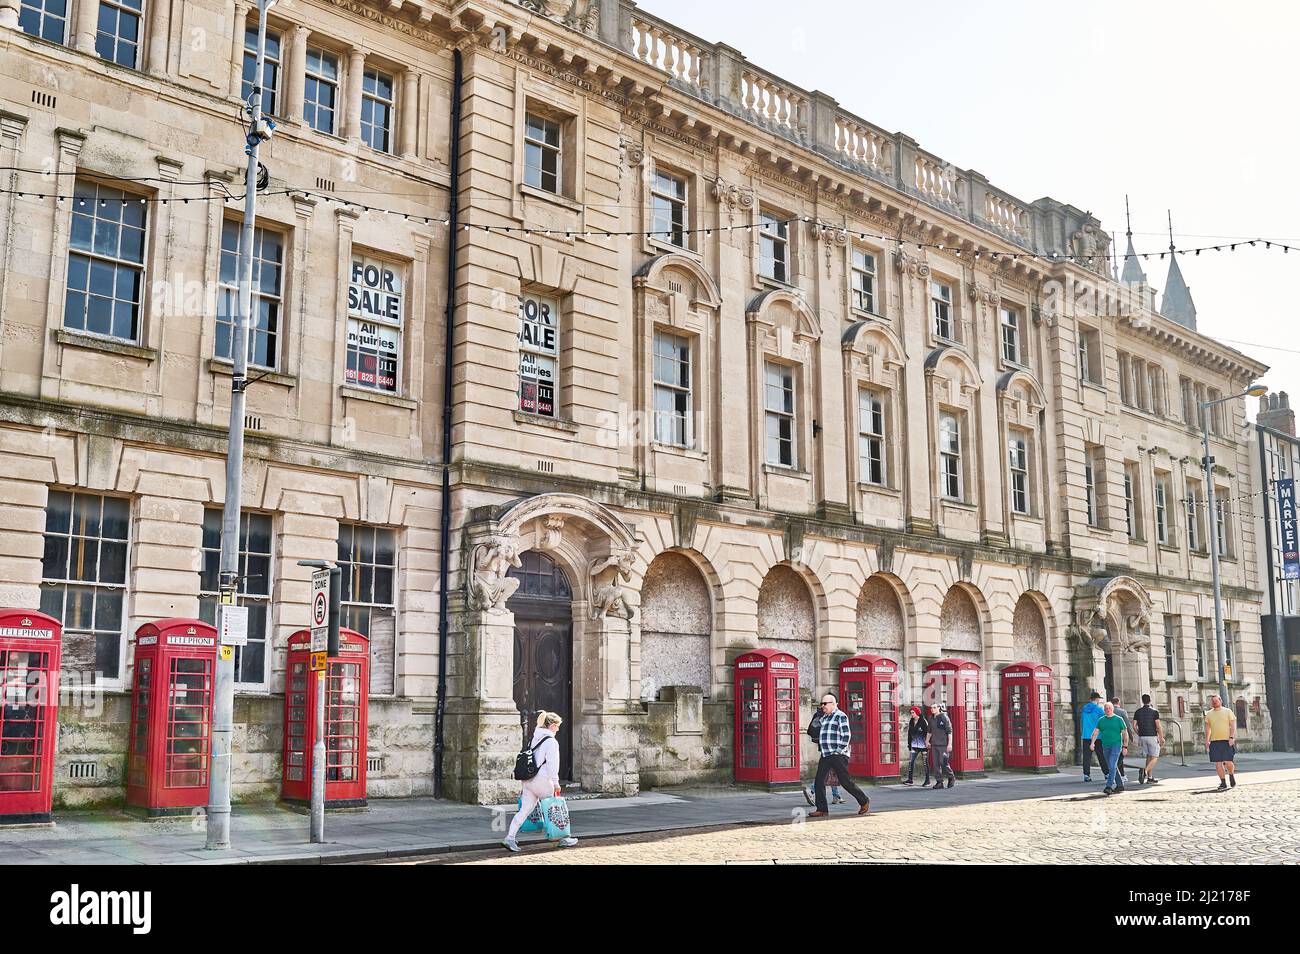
(444, 528)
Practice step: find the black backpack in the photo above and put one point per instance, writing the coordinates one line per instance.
(815, 728)
(525, 766)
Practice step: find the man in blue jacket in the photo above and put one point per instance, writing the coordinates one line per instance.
(1088, 720)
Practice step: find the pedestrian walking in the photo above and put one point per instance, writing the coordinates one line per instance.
(1088, 718)
(546, 783)
(1151, 736)
(832, 780)
(834, 745)
(940, 743)
(1128, 724)
(918, 728)
(1112, 732)
(1221, 741)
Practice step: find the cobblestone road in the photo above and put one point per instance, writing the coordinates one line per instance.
(1180, 822)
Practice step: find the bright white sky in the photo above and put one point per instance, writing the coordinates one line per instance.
(1187, 106)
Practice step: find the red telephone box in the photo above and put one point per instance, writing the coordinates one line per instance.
(31, 644)
(1027, 721)
(955, 684)
(767, 717)
(347, 698)
(869, 697)
(169, 750)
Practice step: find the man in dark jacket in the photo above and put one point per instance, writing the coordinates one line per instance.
(941, 746)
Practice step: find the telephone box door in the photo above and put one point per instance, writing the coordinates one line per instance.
(767, 726)
(955, 683)
(30, 649)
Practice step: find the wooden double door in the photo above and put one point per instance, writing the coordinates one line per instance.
(543, 664)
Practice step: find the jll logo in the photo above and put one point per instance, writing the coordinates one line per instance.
(94, 908)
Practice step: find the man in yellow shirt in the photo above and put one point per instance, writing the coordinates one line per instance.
(1221, 740)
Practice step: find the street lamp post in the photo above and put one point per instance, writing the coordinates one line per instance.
(223, 697)
(1211, 516)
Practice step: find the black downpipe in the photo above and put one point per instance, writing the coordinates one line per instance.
(444, 528)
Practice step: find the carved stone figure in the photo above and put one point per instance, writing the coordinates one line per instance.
(1094, 629)
(1137, 632)
(1083, 245)
(489, 582)
(607, 594)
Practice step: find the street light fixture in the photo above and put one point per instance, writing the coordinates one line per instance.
(1211, 517)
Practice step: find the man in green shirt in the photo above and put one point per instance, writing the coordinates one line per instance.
(1112, 730)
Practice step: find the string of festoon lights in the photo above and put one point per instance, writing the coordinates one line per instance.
(768, 225)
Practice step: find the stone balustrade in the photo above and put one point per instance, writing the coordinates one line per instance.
(721, 76)
(1005, 214)
(662, 48)
(864, 145)
(936, 180)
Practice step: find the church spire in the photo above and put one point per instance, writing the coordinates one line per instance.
(1132, 272)
(1176, 305)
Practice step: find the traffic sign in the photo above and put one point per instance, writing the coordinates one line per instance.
(318, 662)
(320, 609)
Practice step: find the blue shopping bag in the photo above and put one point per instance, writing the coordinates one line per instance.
(534, 821)
(555, 818)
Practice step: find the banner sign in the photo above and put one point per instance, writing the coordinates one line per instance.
(1287, 536)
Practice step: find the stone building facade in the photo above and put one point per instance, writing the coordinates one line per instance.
(732, 367)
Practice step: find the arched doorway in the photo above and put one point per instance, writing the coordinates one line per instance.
(676, 627)
(543, 669)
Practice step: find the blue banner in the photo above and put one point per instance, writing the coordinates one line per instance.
(1287, 537)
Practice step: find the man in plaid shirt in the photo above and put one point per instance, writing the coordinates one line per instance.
(834, 744)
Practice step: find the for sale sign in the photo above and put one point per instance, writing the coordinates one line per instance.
(1288, 538)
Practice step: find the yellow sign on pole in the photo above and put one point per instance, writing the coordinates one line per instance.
(227, 597)
(318, 662)
(227, 653)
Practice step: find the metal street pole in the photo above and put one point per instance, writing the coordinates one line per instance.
(1207, 463)
(1211, 516)
(318, 749)
(223, 707)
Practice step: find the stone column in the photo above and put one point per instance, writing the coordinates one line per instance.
(159, 28)
(606, 730)
(87, 18)
(238, 29)
(295, 72)
(9, 14)
(410, 112)
(352, 109)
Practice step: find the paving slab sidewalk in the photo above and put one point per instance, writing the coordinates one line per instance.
(390, 828)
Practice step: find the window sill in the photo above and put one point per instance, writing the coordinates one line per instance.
(1026, 517)
(1169, 548)
(221, 366)
(678, 451)
(77, 339)
(663, 245)
(1007, 365)
(958, 504)
(554, 423)
(376, 397)
(554, 198)
(787, 471)
(941, 342)
(867, 315)
(868, 487)
(1093, 385)
(767, 281)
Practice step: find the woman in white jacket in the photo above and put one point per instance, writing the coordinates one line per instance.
(546, 783)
